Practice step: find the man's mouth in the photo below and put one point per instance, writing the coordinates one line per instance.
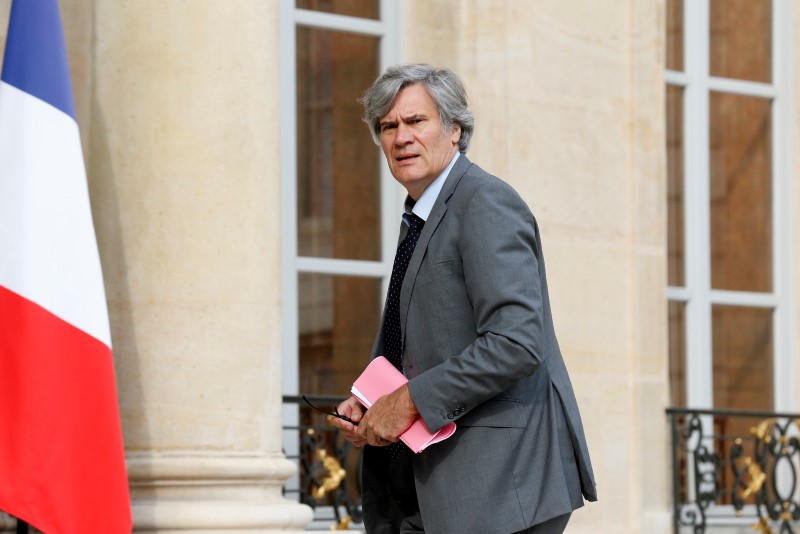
(406, 157)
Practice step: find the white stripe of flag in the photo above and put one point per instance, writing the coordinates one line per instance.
(46, 226)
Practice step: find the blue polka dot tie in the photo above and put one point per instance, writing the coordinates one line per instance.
(392, 335)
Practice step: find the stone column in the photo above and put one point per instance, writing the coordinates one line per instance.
(184, 175)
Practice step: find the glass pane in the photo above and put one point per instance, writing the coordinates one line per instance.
(366, 9)
(741, 193)
(675, 229)
(741, 39)
(742, 346)
(677, 354)
(338, 166)
(675, 34)
(338, 322)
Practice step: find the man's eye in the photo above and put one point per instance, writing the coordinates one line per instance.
(385, 127)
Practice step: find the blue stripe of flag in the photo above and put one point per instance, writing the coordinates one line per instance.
(36, 59)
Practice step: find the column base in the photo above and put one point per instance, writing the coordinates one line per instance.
(210, 493)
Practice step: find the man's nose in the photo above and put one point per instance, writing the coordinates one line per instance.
(404, 135)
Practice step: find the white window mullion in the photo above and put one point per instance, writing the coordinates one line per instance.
(784, 367)
(288, 207)
(699, 368)
(741, 87)
(373, 269)
(679, 294)
(743, 298)
(330, 21)
(390, 10)
(392, 194)
(677, 78)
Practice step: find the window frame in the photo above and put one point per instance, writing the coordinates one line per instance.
(697, 295)
(387, 30)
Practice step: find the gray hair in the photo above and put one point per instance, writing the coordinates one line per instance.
(444, 86)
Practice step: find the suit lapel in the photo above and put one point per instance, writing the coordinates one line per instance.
(437, 213)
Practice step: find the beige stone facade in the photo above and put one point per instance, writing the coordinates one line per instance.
(179, 104)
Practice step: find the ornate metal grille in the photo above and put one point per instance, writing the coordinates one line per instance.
(329, 467)
(735, 464)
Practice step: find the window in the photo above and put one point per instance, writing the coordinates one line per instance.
(728, 173)
(339, 205)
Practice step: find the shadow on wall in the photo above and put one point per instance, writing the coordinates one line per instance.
(111, 242)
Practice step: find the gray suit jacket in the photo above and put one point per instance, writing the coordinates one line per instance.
(480, 349)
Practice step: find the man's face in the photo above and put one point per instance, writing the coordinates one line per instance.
(414, 141)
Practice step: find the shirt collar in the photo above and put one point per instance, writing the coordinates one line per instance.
(422, 208)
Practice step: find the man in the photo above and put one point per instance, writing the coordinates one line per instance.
(468, 321)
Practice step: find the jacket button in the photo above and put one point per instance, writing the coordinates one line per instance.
(449, 416)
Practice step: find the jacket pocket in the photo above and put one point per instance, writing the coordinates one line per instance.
(435, 272)
(499, 413)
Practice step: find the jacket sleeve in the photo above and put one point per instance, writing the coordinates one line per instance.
(500, 258)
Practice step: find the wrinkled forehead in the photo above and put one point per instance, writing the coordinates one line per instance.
(411, 100)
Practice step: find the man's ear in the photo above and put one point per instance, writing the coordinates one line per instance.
(455, 133)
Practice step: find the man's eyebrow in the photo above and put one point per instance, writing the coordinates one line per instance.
(409, 118)
(414, 117)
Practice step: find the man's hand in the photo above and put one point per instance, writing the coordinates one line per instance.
(389, 417)
(355, 411)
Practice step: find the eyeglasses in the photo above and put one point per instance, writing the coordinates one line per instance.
(335, 414)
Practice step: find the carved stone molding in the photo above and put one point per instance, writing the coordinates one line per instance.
(203, 492)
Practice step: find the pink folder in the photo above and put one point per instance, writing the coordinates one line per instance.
(381, 378)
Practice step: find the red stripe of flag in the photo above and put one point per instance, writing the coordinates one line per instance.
(61, 458)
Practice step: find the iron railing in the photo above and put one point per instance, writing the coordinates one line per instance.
(329, 467)
(735, 468)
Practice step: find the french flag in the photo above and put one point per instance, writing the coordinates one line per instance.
(62, 461)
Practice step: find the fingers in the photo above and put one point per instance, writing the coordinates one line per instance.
(351, 408)
(374, 439)
(348, 430)
(357, 414)
(373, 432)
(372, 429)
